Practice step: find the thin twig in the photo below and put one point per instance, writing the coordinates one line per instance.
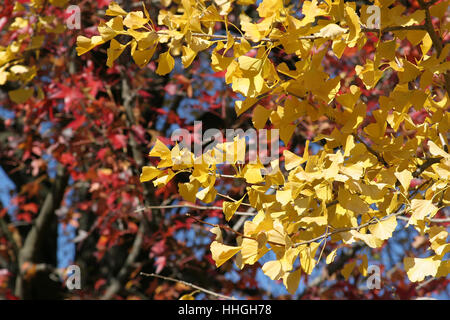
(234, 200)
(225, 227)
(393, 28)
(212, 293)
(309, 37)
(192, 206)
(433, 220)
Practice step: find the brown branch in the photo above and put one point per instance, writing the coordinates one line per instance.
(192, 206)
(9, 236)
(424, 166)
(212, 293)
(393, 28)
(34, 240)
(309, 37)
(433, 220)
(435, 38)
(372, 151)
(117, 283)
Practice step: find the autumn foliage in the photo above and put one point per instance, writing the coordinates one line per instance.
(359, 93)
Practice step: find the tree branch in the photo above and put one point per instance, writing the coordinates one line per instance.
(212, 293)
(372, 151)
(192, 206)
(424, 166)
(309, 37)
(33, 241)
(435, 38)
(117, 283)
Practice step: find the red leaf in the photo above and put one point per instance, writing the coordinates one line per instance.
(78, 122)
(32, 207)
(118, 141)
(160, 263)
(171, 89)
(101, 154)
(99, 283)
(67, 158)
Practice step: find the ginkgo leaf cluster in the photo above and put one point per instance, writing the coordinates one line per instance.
(355, 188)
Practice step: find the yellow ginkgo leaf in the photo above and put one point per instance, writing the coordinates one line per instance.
(348, 269)
(364, 265)
(149, 173)
(221, 253)
(20, 95)
(188, 56)
(250, 65)
(405, 178)
(165, 63)
(135, 20)
(143, 57)
(291, 280)
(251, 31)
(417, 268)
(273, 269)
(252, 173)
(268, 8)
(370, 239)
(291, 160)
(286, 132)
(331, 256)
(189, 190)
(229, 208)
(384, 229)
(19, 69)
(369, 74)
(436, 151)
(260, 116)
(86, 44)
(189, 296)
(331, 30)
(411, 71)
(160, 150)
(115, 10)
(352, 202)
(349, 145)
(284, 196)
(218, 232)
(420, 209)
(114, 51)
(310, 10)
(208, 194)
(242, 106)
(252, 250)
(164, 179)
(307, 260)
(353, 22)
(112, 28)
